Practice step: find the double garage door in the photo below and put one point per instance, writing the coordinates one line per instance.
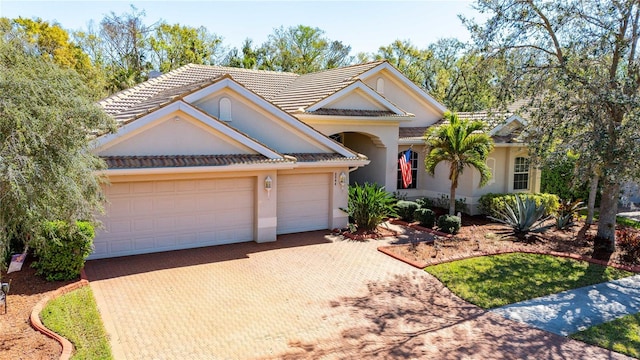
(168, 215)
(144, 217)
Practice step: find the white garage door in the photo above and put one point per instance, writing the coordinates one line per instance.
(303, 202)
(145, 217)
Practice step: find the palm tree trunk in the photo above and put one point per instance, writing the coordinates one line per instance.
(452, 199)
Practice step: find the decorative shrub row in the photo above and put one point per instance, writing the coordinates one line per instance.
(493, 204)
(426, 217)
(64, 249)
(449, 224)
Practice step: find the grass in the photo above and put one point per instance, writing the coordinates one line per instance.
(75, 316)
(493, 281)
(620, 220)
(621, 335)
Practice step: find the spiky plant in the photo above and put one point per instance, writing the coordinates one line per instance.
(369, 204)
(524, 218)
(567, 213)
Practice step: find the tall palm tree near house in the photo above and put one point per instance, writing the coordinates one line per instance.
(462, 144)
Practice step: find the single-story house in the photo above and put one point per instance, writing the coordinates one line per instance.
(208, 155)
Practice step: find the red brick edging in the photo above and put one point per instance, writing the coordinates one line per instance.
(632, 268)
(67, 347)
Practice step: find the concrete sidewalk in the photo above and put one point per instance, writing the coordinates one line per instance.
(575, 310)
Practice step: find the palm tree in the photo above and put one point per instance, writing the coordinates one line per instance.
(462, 144)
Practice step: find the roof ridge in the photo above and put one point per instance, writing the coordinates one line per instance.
(245, 69)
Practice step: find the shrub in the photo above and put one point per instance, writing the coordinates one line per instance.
(494, 204)
(405, 209)
(426, 217)
(369, 204)
(443, 202)
(525, 217)
(449, 224)
(560, 178)
(629, 242)
(567, 212)
(62, 254)
(425, 202)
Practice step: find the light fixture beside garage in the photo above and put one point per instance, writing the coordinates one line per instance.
(342, 180)
(268, 184)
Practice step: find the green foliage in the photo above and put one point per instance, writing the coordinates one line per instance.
(629, 242)
(47, 171)
(177, 45)
(621, 335)
(426, 217)
(560, 178)
(425, 202)
(405, 209)
(525, 217)
(62, 254)
(443, 202)
(567, 213)
(493, 281)
(369, 205)
(75, 316)
(493, 204)
(461, 144)
(449, 224)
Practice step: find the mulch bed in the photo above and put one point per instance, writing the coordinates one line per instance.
(18, 340)
(478, 236)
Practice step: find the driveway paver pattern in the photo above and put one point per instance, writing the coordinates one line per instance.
(306, 296)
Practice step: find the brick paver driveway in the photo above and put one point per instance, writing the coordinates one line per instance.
(306, 296)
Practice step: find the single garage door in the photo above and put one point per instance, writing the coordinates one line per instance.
(303, 202)
(154, 216)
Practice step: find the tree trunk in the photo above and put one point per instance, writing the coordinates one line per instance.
(452, 200)
(593, 191)
(608, 212)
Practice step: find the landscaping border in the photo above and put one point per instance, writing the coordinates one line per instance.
(632, 268)
(67, 346)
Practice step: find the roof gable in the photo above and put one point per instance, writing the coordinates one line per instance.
(357, 96)
(178, 129)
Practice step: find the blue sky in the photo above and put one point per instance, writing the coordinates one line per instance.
(365, 25)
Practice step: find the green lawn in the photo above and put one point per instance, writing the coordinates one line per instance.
(621, 335)
(493, 281)
(620, 220)
(75, 316)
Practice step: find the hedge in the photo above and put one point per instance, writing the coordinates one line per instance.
(491, 204)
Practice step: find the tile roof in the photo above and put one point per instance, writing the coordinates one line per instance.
(162, 161)
(287, 90)
(412, 132)
(308, 89)
(159, 161)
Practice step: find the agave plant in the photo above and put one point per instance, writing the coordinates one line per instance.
(527, 217)
(567, 213)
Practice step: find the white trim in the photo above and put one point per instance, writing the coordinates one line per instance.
(270, 108)
(405, 81)
(333, 163)
(347, 90)
(512, 118)
(102, 142)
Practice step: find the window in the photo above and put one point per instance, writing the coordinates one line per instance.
(521, 174)
(414, 171)
(225, 109)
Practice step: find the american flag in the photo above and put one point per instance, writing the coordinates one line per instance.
(405, 168)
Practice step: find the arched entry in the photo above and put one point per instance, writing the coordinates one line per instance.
(371, 146)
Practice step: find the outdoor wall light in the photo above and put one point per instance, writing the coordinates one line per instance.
(268, 183)
(342, 180)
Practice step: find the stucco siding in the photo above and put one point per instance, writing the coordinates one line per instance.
(356, 100)
(177, 134)
(259, 124)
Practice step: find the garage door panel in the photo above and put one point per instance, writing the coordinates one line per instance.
(303, 202)
(167, 215)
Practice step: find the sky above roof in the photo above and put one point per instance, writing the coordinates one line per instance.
(365, 25)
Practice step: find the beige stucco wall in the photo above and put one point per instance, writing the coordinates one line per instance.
(260, 124)
(177, 133)
(397, 93)
(502, 180)
(356, 100)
